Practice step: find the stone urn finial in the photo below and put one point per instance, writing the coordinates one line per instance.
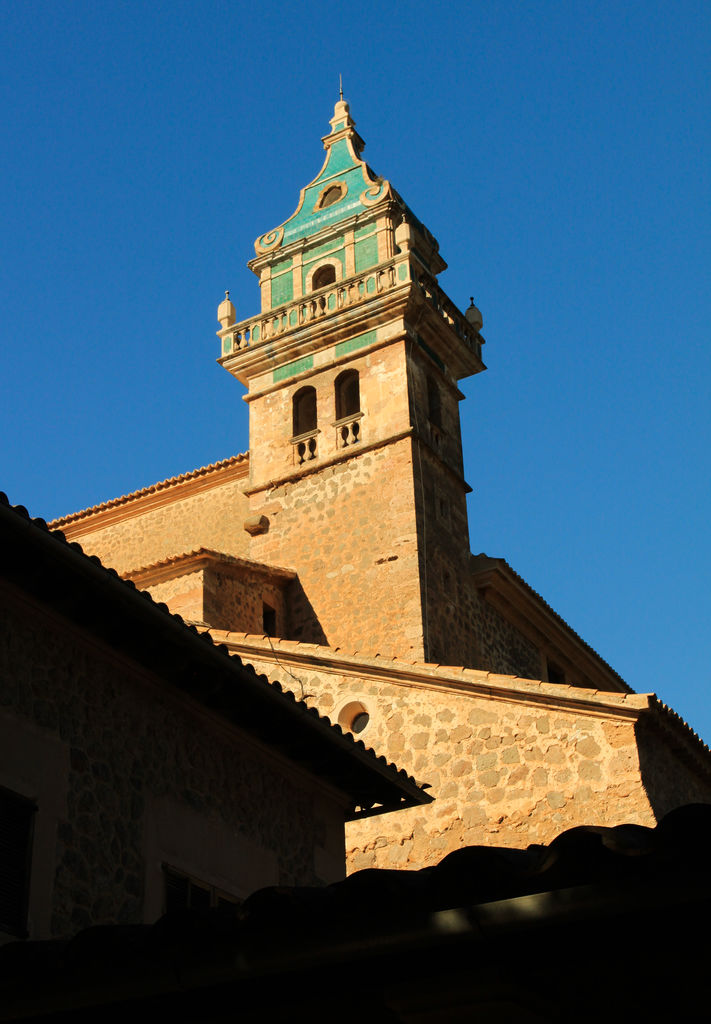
(226, 312)
(473, 315)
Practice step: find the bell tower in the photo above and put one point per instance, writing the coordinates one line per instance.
(351, 369)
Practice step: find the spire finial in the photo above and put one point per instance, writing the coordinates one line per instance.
(342, 124)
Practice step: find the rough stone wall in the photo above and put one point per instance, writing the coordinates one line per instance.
(211, 518)
(461, 628)
(440, 426)
(225, 598)
(451, 625)
(230, 598)
(502, 647)
(666, 768)
(183, 594)
(349, 527)
(383, 403)
(505, 772)
(350, 531)
(130, 743)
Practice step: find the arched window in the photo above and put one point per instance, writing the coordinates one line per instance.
(304, 408)
(434, 403)
(347, 394)
(331, 196)
(323, 276)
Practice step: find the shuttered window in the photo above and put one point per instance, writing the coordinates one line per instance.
(16, 825)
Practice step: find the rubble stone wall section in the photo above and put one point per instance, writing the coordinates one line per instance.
(223, 598)
(241, 598)
(667, 768)
(502, 647)
(462, 628)
(183, 594)
(504, 770)
(210, 518)
(130, 744)
(350, 530)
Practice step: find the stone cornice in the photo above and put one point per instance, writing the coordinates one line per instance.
(537, 693)
(342, 455)
(321, 331)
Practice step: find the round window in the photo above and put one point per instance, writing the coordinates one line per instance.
(354, 717)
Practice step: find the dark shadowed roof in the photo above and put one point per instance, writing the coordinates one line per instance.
(603, 923)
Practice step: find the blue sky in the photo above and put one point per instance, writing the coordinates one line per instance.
(558, 151)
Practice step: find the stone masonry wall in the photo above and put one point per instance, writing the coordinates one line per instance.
(211, 518)
(669, 778)
(223, 598)
(503, 648)
(348, 527)
(130, 743)
(506, 770)
(461, 627)
(240, 598)
(350, 531)
(183, 594)
(383, 404)
(440, 426)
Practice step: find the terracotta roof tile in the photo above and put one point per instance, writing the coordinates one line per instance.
(162, 485)
(212, 555)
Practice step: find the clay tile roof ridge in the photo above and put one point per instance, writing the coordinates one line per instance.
(677, 720)
(222, 556)
(342, 652)
(161, 485)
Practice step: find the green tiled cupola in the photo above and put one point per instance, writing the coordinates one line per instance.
(345, 186)
(344, 224)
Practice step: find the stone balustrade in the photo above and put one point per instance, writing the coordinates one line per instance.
(305, 447)
(443, 305)
(350, 292)
(334, 297)
(348, 431)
